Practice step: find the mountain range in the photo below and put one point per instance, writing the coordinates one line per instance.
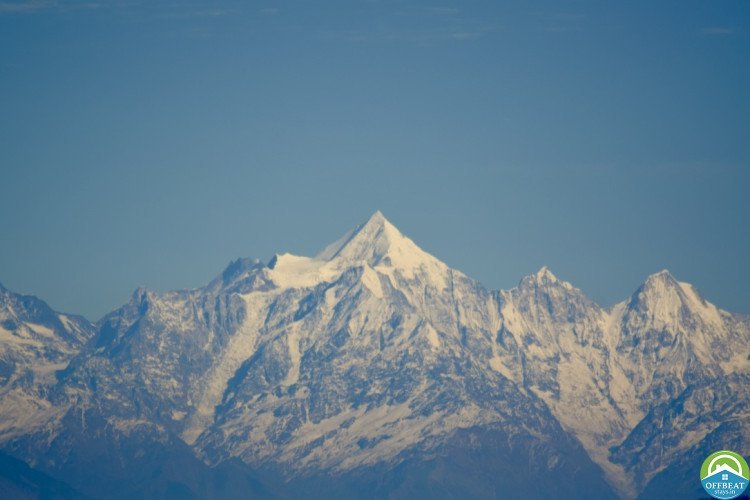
(372, 370)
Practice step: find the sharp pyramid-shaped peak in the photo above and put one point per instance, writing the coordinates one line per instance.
(377, 219)
(377, 230)
(666, 299)
(659, 286)
(374, 227)
(544, 274)
(375, 242)
(544, 277)
(663, 277)
(545, 299)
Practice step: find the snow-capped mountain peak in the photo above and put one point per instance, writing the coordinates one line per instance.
(372, 355)
(375, 224)
(663, 279)
(376, 244)
(544, 273)
(668, 301)
(543, 279)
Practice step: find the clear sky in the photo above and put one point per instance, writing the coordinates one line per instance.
(147, 143)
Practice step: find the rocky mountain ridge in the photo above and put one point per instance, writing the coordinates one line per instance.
(376, 360)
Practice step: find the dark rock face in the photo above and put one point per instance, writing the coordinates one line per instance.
(19, 481)
(474, 463)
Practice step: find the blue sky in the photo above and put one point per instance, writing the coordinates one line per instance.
(148, 143)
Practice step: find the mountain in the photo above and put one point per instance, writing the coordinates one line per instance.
(35, 342)
(18, 480)
(375, 370)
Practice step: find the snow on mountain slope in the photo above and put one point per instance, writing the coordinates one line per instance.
(376, 244)
(675, 428)
(553, 341)
(353, 367)
(373, 290)
(669, 339)
(374, 351)
(602, 371)
(371, 348)
(35, 342)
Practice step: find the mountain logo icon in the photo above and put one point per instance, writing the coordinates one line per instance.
(725, 475)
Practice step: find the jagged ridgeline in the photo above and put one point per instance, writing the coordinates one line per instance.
(371, 370)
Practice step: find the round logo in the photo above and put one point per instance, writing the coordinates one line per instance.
(724, 475)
